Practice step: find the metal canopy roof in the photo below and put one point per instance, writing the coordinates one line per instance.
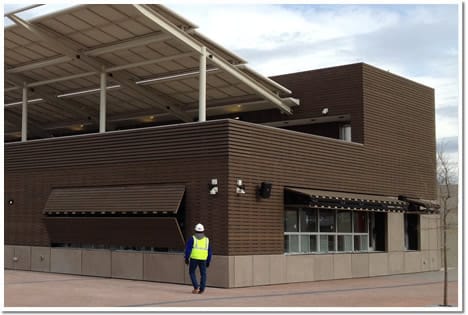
(151, 57)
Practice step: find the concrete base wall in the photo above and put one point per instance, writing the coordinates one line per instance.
(224, 271)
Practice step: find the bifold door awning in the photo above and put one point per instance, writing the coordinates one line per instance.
(136, 199)
(158, 232)
(344, 201)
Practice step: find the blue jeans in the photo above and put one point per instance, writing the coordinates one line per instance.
(192, 267)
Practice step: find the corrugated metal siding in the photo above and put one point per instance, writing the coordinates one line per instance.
(129, 198)
(189, 155)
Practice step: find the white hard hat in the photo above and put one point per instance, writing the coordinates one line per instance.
(199, 228)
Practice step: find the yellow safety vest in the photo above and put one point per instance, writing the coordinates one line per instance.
(200, 248)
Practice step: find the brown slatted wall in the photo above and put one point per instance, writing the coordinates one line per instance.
(189, 155)
(397, 158)
(400, 132)
(338, 88)
(192, 154)
(128, 198)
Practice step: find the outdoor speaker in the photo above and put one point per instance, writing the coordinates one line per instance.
(265, 190)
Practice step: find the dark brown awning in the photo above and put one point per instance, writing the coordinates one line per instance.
(116, 231)
(345, 201)
(116, 199)
(428, 205)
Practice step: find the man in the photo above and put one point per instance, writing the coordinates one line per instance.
(198, 250)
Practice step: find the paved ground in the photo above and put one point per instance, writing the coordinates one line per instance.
(35, 289)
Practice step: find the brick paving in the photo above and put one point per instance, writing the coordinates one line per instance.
(36, 289)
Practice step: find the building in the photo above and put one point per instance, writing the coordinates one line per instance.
(323, 174)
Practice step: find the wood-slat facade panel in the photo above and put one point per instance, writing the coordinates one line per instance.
(129, 198)
(392, 121)
(189, 155)
(397, 156)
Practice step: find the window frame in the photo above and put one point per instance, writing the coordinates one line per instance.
(335, 234)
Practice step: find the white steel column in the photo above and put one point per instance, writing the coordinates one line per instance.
(102, 104)
(24, 114)
(202, 88)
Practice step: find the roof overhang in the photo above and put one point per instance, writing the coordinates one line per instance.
(151, 58)
(322, 199)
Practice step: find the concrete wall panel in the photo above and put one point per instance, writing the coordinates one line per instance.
(9, 253)
(164, 267)
(295, 268)
(412, 262)
(65, 260)
(243, 271)
(127, 265)
(435, 259)
(426, 230)
(23, 257)
(277, 269)
(323, 267)
(378, 264)
(342, 266)
(218, 272)
(395, 232)
(261, 270)
(40, 259)
(96, 262)
(396, 262)
(425, 262)
(360, 265)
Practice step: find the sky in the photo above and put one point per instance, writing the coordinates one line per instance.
(416, 41)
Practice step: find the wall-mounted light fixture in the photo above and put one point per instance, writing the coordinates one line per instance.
(264, 191)
(213, 186)
(325, 111)
(240, 187)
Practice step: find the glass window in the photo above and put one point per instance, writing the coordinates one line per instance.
(290, 222)
(331, 243)
(360, 222)
(308, 220)
(345, 243)
(291, 243)
(323, 243)
(308, 243)
(322, 231)
(344, 221)
(360, 243)
(327, 220)
(412, 231)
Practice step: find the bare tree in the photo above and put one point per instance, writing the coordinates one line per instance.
(445, 177)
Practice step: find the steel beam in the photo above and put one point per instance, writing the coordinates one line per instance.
(183, 37)
(167, 26)
(67, 47)
(48, 94)
(139, 41)
(40, 64)
(102, 103)
(202, 87)
(24, 115)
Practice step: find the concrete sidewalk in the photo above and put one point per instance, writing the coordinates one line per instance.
(35, 289)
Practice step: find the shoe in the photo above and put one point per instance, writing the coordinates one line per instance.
(201, 291)
(195, 291)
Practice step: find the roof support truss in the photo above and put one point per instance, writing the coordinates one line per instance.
(71, 49)
(170, 28)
